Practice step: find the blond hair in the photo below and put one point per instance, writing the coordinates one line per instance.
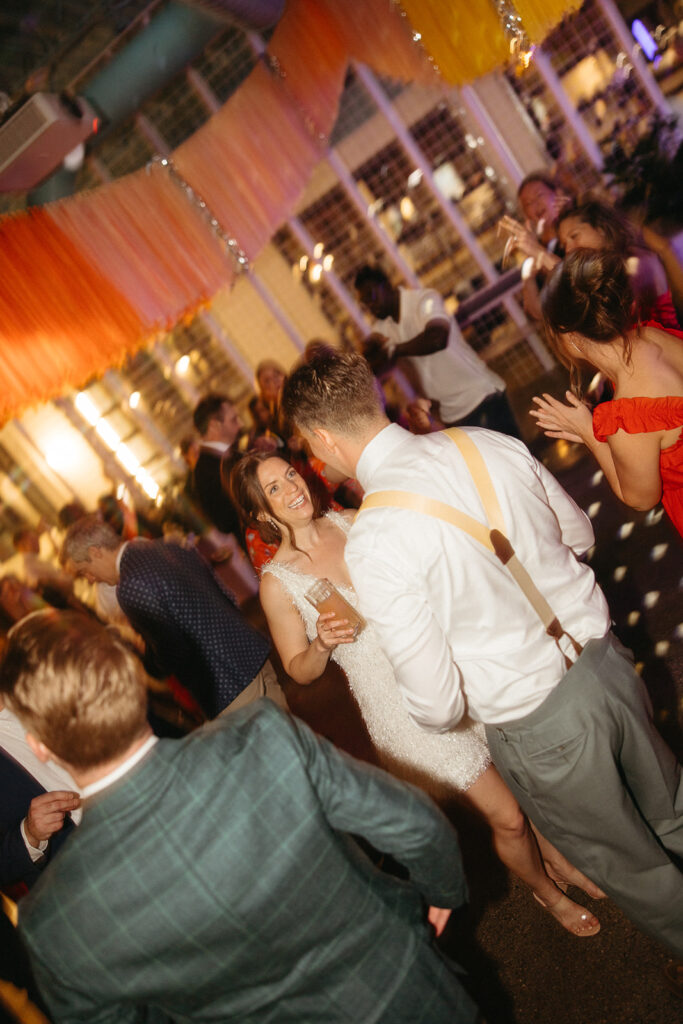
(75, 685)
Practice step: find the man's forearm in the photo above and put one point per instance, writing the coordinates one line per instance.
(434, 338)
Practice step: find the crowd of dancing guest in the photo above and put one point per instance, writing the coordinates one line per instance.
(592, 223)
(464, 682)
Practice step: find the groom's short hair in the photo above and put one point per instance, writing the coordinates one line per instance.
(336, 392)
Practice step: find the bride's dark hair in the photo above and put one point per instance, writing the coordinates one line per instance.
(243, 487)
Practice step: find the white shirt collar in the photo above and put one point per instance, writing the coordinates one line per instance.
(120, 770)
(377, 450)
(120, 556)
(216, 446)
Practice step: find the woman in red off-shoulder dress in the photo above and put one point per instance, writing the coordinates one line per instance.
(638, 437)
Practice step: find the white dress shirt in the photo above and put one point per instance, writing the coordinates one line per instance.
(457, 629)
(455, 377)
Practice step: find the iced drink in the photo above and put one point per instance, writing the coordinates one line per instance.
(325, 597)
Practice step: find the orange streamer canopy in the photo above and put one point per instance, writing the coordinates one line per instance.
(87, 280)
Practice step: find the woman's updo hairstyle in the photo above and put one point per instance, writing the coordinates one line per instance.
(589, 294)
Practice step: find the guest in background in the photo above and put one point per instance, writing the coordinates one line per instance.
(192, 629)
(413, 324)
(637, 438)
(17, 600)
(215, 878)
(125, 519)
(38, 573)
(593, 224)
(39, 805)
(261, 434)
(541, 200)
(219, 425)
(270, 378)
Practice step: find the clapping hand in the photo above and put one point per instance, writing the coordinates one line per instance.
(572, 422)
(522, 239)
(333, 631)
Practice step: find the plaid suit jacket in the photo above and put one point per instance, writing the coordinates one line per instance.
(191, 628)
(216, 882)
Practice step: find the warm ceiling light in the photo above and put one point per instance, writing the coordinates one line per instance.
(134, 400)
(127, 459)
(87, 408)
(108, 434)
(148, 484)
(183, 365)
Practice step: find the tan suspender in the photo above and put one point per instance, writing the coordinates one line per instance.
(490, 535)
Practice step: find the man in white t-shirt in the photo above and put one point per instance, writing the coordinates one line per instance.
(576, 745)
(413, 324)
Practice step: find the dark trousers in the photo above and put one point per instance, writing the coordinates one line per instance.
(594, 775)
(494, 413)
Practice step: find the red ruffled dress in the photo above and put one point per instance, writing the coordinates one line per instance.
(641, 416)
(664, 313)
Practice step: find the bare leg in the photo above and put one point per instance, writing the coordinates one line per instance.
(516, 846)
(562, 872)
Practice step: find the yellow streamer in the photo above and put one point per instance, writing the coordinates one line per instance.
(466, 40)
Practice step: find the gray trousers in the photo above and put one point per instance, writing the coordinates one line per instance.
(264, 684)
(594, 775)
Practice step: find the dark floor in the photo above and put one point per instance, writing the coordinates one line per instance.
(524, 968)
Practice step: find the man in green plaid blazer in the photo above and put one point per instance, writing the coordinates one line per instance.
(213, 878)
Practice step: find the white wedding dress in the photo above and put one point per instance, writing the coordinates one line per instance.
(437, 761)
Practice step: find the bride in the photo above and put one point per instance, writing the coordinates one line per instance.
(272, 497)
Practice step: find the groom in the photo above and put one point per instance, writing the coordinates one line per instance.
(571, 734)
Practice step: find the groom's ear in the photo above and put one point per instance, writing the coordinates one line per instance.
(325, 438)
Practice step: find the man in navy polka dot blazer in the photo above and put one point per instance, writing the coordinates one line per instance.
(192, 629)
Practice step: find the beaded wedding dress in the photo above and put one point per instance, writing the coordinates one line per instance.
(438, 762)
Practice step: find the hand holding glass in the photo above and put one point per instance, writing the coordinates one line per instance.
(325, 597)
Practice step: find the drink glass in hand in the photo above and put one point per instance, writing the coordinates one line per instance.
(325, 597)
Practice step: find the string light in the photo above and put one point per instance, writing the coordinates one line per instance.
(513, 28)
(238, 254)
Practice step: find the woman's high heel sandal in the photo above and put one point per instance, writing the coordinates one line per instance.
(572, 916)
